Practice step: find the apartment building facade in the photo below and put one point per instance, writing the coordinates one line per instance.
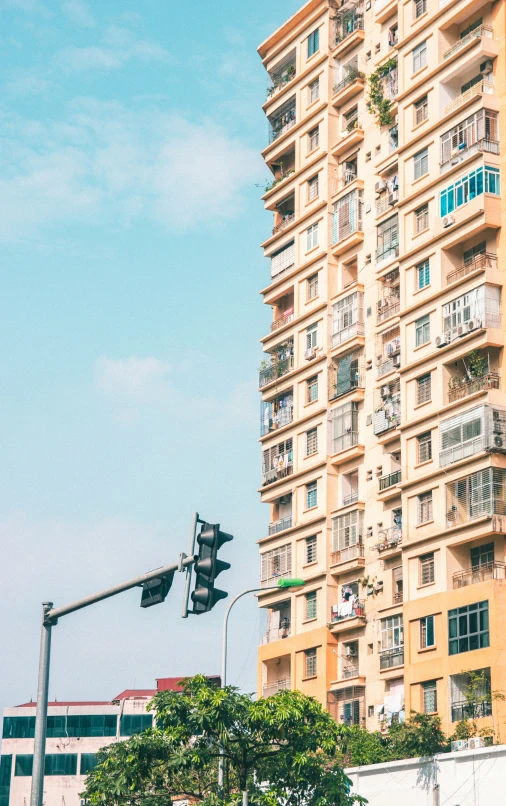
(383, 411)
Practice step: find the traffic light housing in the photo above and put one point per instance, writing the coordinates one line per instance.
(207, 568)
(154, 591)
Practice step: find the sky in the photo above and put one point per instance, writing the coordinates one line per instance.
(130, 219)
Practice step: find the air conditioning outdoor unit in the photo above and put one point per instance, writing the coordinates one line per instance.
(393, 198)
(396, 360)
(473, 324)
(442, 340)
(460, 744)
(448, 220)
(385, 391)
(310, 353)
(486, 67)
(475, 743)
(461, 330)
(380, 186)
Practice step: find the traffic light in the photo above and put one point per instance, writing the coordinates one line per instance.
(155, 590)
(207, 568)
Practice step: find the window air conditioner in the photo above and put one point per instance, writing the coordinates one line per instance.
(474, 324)
(448, 220)
(380, 186)
(486, 67)
(310, 353)
(442, 340)
(475, 743)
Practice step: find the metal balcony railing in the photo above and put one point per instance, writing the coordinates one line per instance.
(388, 307)
(285, 319)
(384, 253)
(272, 688)
(352, 498)
(483, 145)
(390, 480)
(287, 220)
(388, 538)
(392, 657)
(488, 381)
(478, 33)
(470, 710)
(353, 75)
(356, 329)
(356, 609)
(280, 525)
(283, 416)
(388, 201)
(349, 670)
(347, 554)
(346, 30)
(481, 88)
(478, 263)
(270, 476)
(277, 369)
(398, 597)
(481, 573)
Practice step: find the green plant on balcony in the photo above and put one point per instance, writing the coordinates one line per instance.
(377, 104)
(476, 366)
(278, 179)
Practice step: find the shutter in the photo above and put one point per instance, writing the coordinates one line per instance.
(397, 573)
(283, 259)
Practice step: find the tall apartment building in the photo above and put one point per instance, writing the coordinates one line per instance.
(383, 414)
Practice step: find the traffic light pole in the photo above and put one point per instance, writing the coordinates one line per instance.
(50, 618)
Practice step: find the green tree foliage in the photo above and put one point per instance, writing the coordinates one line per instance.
(376, 102)
(420, 735)
(283, 749)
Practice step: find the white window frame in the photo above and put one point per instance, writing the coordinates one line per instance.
(312, 236)
(419, 56)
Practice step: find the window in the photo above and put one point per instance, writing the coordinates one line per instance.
(463, 435)
(426, 566)
(347, 318)
(24, 765)
(482, 556)
(310, 599)
(429, 693)
(312, 286)
(421, 110)
(283, 259)
(392, 635)
(18, 727)
(419, 56)
(311, 441)
(61, 764)
(312, 337)
(347, 215)
(311, 549)
(482, 180)
(312, 389)
(88, 763)
(313, 43)
(311, 237)
(427, 632)
(387, 237)
(423, 390)
(344, 426)
(424, 447)
(350, 119)
(276, 562)
(82, 725)
(347, 530)
(420, 7)
(422, 330)
(422, 219)
(5, 778)
(421, 163)
(310, 662)
(425, 507)
(314, 90)
(135, 723)
(423, 275)
(312, 188)
(311, 495)
(468, 628)
(314, 138)
(481, 125)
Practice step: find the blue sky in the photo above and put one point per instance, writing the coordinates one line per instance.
(129, 230)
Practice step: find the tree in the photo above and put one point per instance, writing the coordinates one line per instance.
(283, 750)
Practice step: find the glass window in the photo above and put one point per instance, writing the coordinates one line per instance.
(18, 727)
(468, 628)
(313, 43)
(312, 287)
(423, 389)
(23, 766)
(427, 632)
(276, 562)
(425, 507)
(88, 763)
(422, 330)
(392, 635)
(419, 56)
(314, 90)
(135, 723)
(423, 274)
(61, 764)
(312, 389)
(80, 725)
(344, 426)
(421, 110)
(420, 8)
(424, 448)
(422, 219)
(387, 238)
(311, 495)
(421, 163)
(311, 549)
(482, 555)
(310, 604)
(311, 237)
(312, 337)
(312, 188)
(311, 441)
(310, 662)
(427, 568)
(482, 180)
(314, 138)
(429, 690)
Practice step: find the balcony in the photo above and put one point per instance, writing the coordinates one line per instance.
(461, 390)
(276, 369)
(481, 146)
(348, 29)
(346, 611)
(350, 85)
(348, 500)
(283, 320)
(481, 88)
(345, 375)
(387, 418)
(345, 555)
(277, 634)
(275, 414)
(482, 32)
(347, 224)
(479, 263)
(390, 480)
(279, 685)
(287, 220)
(392, 537)
(270, 476)
(388, 201)
(283, 119)
(480, 495)
(387, 307)
(387, 253)
(392, 657)
(350, 669)
(479, 429)
(481, 573)
(355, 329)
(398, 597)
(479, 309)
(471, 710)
(272, 581)
(280, 525)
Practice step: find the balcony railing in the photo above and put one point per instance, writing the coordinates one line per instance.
(347, 610)
(281, 81)
(272, 581)
(488, 381)
(345, 441)
(478, 33)
(277, 369)
(348, 28)
(273, 688)
(478, 263)
(392, 657)
(277, 633)
(398, 597)
(385, 253)
(284, 223)
(387, 202)
(347, 554)
(352, 498)
(285, 319)
(353, 75)
(280, 525)
(284, 416)
(341, 386)
(471, 710)
(389, 365)
(481, 88)
(352, 123)
(349, 670)
(270, 476)
(389, 538)
(388, 307)
(356, 329)
(482, 573)
(385, 422)
(483, 145)
(390, 480)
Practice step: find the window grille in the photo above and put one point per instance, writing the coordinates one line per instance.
(282, 119)
(423, 389)
(424, 448)
(345, 374)
(422, 218)
(310, 662)
(311, 237)
(283, 260)
(311, 549)
(276, 413)
(344, 426)
(347, 318)
(421, 163)
(314, 138)
(312, 389)
(471, 695)
(421, 110)
(276, 563)
(347, 216)
(313, 188)
(310, 604)
(468, 628)
(387, 238)
(481, 127)
(311, 441)
(314, 90)
(481, 306)
(311, 495)
(387, 406)
(427, 568)
(347, 705)
(479, 429)
(429, 697)
(277, 461)
(481, 493)
(427, 632)
(425, 507)
(347, 530)
(312, 287)
(420, 8)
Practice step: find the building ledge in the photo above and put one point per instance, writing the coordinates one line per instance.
(286, 136)
(295, 223)
(282, 185)
(275, 284)
(309, 524)
(294, 322)
(347, 141)
(279, 483)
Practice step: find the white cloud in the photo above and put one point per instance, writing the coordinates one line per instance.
(78, 12)
(27, 84)
(139, 379)
(118, 45)
(90, 58)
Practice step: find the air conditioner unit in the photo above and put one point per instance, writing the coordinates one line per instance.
(473, 324)
(448, 220)
(498, 442)
(442, 340)
(310, 353)
(378, 360)
(475, 743)
(285, 499)
(393, 198)
(385, 391)
(396, 360)
(460, 744)
(380, 186)
(486, 67)
(461, 330)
